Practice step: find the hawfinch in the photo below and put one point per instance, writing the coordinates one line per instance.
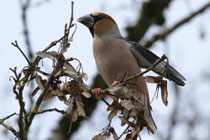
(114, 56)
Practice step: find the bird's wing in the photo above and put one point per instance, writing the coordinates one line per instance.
(146, 58)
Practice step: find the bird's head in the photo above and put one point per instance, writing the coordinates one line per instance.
(100, 25)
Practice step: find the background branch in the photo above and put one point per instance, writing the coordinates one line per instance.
(164, 34)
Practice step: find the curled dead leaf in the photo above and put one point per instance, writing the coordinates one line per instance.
(153, 79)
(35, 91)
(101, 137)
(86, 94)
(39, 81)
(128, 104)
(115, 137)
(74, 116)
(57, 92)
(80, 109)
(50, 54)
(69, 67)
(112, 114)
(48, 96)
(85, 76)
(164, 92)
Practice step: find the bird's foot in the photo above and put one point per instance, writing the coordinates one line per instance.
(97, 92)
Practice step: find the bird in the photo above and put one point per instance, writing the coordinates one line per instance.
(114, 56)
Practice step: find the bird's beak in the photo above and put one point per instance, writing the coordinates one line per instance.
(86, 20)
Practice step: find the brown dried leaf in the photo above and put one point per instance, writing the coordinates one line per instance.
(153, 79)
(58, 92)
(39, 81)
(128, 104)
(30, 69)
(35, 91)
(70, 73)
(111, 106)
(115, 137)
(112, 114)
(164, 92)
(50, 54)
(86, 94)
(26, 72)
(123, 120)
(74, 116)
(150, 79)
(85, 76)
(69, 67)
(101, 137)
(48, 96)
(80, 109)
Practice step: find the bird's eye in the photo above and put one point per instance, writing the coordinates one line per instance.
(97, 18)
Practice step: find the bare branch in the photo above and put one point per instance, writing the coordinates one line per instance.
(147, 70)
(51, 110)
(17, 46)
(10, 128)
(164, 34)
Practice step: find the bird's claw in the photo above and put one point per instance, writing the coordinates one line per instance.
(97, 92)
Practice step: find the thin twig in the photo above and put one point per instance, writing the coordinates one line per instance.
(147, 70)
(17, 46)
(10, 128)
(51, 110)
(71, 17)
(168, 31)
(7, 117)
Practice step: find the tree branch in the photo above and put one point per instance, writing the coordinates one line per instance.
(164, 34)
(10, 128)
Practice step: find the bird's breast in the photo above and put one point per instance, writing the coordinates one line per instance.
(113, 59)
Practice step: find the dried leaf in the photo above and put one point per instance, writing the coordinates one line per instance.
(150, 79)
(85, 76)
(111, 106)
(164, 92)
(30, 69)
(115, 137)
(68, 103)
(112, 114)
(86, 94)
(35, 91)
(48, 96)
(57, 92)
(100, 137)
(51, 54)
(128, 104)
(123, 120)
(71, 73)
(26, 72)
(80, 109)
(74, 116)
(69, 67)
(39, 81)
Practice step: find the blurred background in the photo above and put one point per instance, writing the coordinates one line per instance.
(178, 28)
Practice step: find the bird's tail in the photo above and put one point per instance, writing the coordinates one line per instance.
(149, 121)
(175, 76)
